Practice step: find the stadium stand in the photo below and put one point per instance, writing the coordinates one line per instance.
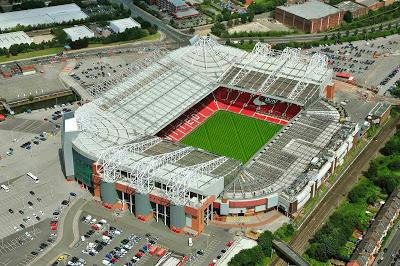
(170, 97)
(231, 100)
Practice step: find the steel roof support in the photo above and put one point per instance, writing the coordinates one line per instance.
(260, 50)
(317, 65)
(141, 175)
(289, 56)
(111, 160)
(177, 189)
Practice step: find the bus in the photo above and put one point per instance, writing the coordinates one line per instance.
(35, 179)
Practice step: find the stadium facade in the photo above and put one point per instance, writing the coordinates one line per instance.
(124, 144)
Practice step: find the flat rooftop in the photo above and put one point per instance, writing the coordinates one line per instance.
(18, 37)
(38, 16)
(349, 6)
(311, 10)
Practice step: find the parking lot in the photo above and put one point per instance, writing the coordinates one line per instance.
(28, 206)
(94, 70)
(94, 247)
(370, 62)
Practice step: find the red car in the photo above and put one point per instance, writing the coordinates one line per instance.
(139, 254)
(229, 243)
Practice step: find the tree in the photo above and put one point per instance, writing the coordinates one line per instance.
(250, 17)
(191, 30)
(79, 44)
(348, 17)
(30, 98)
(217, 28)
(265, 242)
(247, 257)
(230, 23)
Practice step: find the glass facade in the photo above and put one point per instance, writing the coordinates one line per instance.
(83, 169)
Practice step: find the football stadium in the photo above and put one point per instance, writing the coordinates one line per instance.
(209, 131)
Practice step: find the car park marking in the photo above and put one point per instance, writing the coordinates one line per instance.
(15, 243)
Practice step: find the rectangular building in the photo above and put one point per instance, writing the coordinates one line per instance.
(18, 37)
(178, 8)
(78, 32)
(371, 4)
(312, 16)
(39, 16)
(120, 25)
(354, 8)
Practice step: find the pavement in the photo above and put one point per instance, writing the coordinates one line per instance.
(42, 160)
(65, 237)
(212, 241)
(339, 191)
(308, 37)
(174, 34)
(391, 247)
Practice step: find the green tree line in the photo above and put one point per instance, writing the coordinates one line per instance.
(381, 179)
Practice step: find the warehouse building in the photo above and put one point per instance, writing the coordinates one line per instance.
(371, 4)
(39, 16)
(120, 25)
(18, 37)
(78, 32)
(311, 16)
(354, 8)
(178, 8)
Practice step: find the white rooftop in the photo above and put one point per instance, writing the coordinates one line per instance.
(151, 98)
(311, 9)
(18, 37)
(79, 32)
(121, 25)
(38, 16)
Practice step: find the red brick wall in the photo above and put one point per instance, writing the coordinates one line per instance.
(305, 25)
(360, 12)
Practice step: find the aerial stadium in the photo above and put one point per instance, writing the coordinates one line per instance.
(209, 131)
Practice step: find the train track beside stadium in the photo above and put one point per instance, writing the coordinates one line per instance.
(339, 191)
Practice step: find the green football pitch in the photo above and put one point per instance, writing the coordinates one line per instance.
(232, 135)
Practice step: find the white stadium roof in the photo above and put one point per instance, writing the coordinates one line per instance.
(38, 16)
(149, 99)
(18, 37)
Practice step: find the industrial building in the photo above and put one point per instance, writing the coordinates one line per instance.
(311, 16)
(78, 33)
(354, 8)
(178, 8)
(124, 145)
(371, 4)
(40, 16)
(120, 25)
(17, 37)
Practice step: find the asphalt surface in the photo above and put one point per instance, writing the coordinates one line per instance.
(310, 37)
(212, 241)
(314, 222)
(393, 248)
(66, 236)
(172, 33)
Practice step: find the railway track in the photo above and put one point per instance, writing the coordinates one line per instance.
(350, 177)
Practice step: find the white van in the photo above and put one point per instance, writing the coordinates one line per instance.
(190, 242)
(5, 188)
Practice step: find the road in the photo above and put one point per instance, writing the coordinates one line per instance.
(176, 35)
(310, 37)
(392, 249)
(66, 236)
(350, 177)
